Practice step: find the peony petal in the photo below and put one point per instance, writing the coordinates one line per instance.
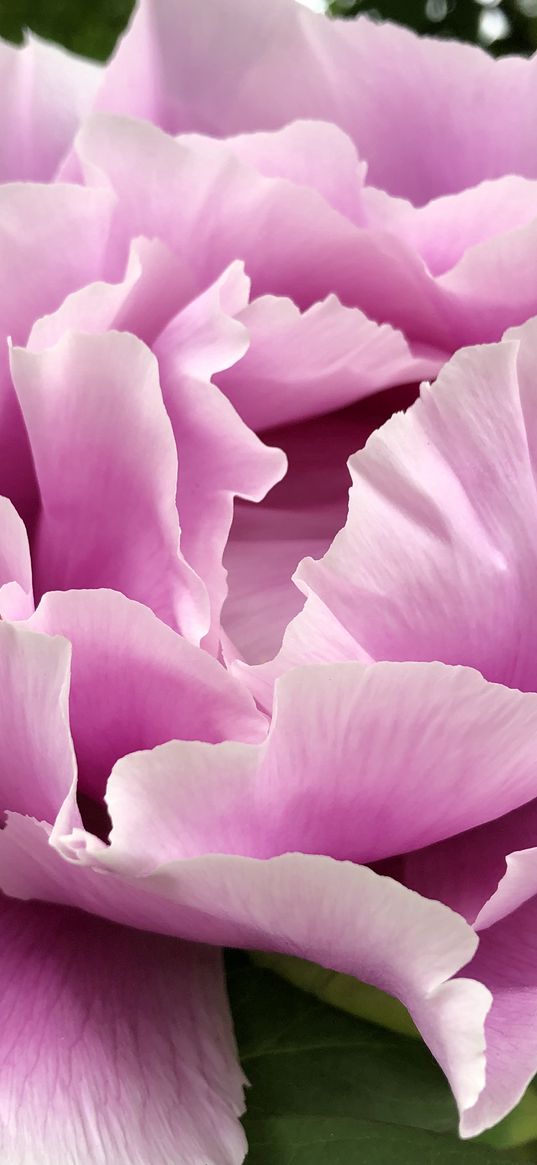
(210, 207)
(344, 916)
(155, 285)
(389, 89)
(438, 556)
(506, 963)
(16, 594)
(263, 550)
(46, 92)
(492, 286)
(116, 1046)
(445, 229)
(314, 154)
(470, 181)
(153, 75)
(348, 918)
(300, 516)
(135, 683)
(219, 457)
(52, 240)
(483, 873)
(38, 763)
(300, 365)
(108, 482)
(391, 737)
(393, 269)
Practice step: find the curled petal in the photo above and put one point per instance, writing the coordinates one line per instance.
(344, 916)
(172, 189)
(153, 287)
(352, 752)
(300, 365)
(220, 458)
(108, 481)
(505, 962)
(136, 683)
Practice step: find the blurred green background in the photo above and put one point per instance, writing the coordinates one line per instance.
(91, 27)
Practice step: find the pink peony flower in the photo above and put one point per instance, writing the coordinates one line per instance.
(436, 563)
(206, 318)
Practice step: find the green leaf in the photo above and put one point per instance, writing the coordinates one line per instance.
(342, 991)
(90, 29)
(366, 1002)
(328, 1088)
(318, 1141)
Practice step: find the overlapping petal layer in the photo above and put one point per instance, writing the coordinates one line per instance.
(159, 872)
(219, 457)
(108, 512)
(395, 262)
(337, 913)
(438, 555)
(135, 683)
(391, 91)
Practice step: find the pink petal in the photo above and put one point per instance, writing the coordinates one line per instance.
(219, 457)
(52, 239)
(444, 229)
(235, 70)
(38, 759)
(392, 737)
(300, 516)
(110, 473)
(519, 881)
(188, 194)
(483, 873)
(505, 962)
(304, 152)
(263, 550)
(153, 288)
(135, 683)
(336, 913)
(492, 286)
(152, 76)
(16, 594)
(438, 556)
(479, 244)
(303, 364)
(46, 92)
(116, 1046)
(455, 271)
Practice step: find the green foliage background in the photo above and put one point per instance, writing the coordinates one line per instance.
(455, 18)
(89, 27)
